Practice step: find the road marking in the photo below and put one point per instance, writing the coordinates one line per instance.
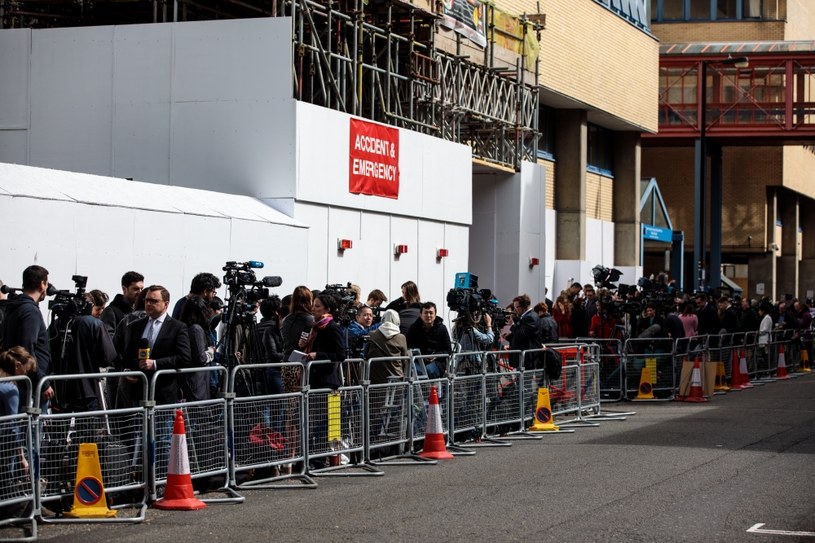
(756, 529)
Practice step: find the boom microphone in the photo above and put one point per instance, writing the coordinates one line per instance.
(272, 281)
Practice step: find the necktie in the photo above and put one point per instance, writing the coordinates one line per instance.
(150, 332)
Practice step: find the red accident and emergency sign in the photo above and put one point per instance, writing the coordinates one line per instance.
(373, 159)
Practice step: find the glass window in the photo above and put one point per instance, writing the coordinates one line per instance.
(751, 9)
(726, 9)
(546, 127)
(700, 9)
(673, 10)
(599, 148)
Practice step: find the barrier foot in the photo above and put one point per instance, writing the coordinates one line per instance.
(348, 470)
(25, 526)
(404, 460)
(232, 496)
(457, 450)
(288, 481)
(485, 441)
(522, 434)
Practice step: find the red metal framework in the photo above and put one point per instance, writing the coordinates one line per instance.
(772, 100)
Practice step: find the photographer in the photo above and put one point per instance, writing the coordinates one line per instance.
(409, 306)
(430, 336)
(24, 325)
(98, 301)
(361, 326)
(204, 285)
(548, 326)
(470, 338)
(524, 332)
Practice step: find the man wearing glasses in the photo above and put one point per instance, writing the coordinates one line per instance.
(169, 347)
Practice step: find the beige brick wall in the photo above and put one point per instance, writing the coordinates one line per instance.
(593, 56)
(799, 164)
(747, 171)
(599, 197)
(718, 31)
(800, 20)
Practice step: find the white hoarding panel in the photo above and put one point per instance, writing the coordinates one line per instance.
(282, 250)
(242, 60)
(594, 241)
(608, 244)
(551, 230)
(236, 147)
(343, 265)
(71, 110)
(14, 55)
(404, 267)
(314, 251)
(435, 175)
(430, 273)
(375, 253)
(14, 146)
(141, 98)
(457, 241)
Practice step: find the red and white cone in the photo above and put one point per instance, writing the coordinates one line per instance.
(781, 371)
(178, 493)
(696, 393)
(737, 378)
(434, 446)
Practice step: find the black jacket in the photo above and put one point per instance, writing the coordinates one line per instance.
(270, 338)
(292, 326)
(114, 313)
(171, 350)
(24, 326)
(328, 346)
(525, 334)
(436, 340)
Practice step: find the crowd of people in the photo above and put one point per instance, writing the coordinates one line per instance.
(141, 331)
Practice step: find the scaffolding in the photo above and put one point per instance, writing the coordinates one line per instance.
(380, 61)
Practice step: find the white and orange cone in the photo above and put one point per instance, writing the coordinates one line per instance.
(781, 371)
(178, 494)
(434, 446)
(696, 393)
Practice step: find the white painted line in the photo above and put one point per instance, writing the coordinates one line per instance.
(756, 529)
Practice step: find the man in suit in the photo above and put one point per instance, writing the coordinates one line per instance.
(525, 331)
(169, 344)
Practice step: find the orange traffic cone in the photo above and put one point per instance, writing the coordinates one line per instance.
(721, 378)
(737, 378)
(178, 494)
(434, 446)
(781, 371)
(696, 394)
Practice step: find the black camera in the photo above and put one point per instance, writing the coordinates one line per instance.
(474, 303)
(67, 304)
(241, 276)
(346, 311)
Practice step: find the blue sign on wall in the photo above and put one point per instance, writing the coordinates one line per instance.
(656, 233)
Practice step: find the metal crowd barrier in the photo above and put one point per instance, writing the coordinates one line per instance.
(268, 446)
(468, 401)
(206, 435)
(335, 424)
(610, 361)
(120, 435)
(389, 426)
(656, 354)
(17, 465)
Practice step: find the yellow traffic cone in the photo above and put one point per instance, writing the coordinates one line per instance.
(543, 414)
(721, 379)
(646, 389)
(89, 492)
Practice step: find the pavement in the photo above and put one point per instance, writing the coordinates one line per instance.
(672, 472)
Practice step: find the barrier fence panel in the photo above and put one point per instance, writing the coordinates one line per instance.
(205, 423)
(120, 436)
(751, 355)
(610, 364)
(335, 425)
(389, 421)
(505, 394)
(467, 398)
(265, 429)
(765, 357)
(564, 392)
(657, 356)
(590, 379)
(17, 492)
(420, 396)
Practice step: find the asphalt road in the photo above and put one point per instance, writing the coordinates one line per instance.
(672, 472)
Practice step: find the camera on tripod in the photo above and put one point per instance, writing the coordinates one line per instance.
(67, 304)
(241, 276)
(346, 310)
(467, 299)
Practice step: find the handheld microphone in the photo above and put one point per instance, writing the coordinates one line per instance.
(144, 349)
